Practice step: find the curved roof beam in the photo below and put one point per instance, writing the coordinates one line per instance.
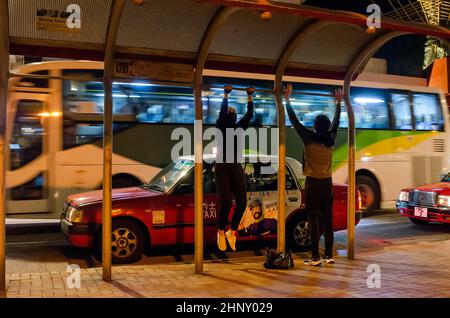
(299, 37)
(368, 51)
(303, 33)
(334, 15)
(4, 70)
(214, 26)
(360, 60)
(110, 44)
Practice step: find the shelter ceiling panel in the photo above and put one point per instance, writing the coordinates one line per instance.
(24, 21)
(245, 34)
(172, 25)
(332, 45)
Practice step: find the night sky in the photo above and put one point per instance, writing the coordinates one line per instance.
(356, 5)
(404, 55)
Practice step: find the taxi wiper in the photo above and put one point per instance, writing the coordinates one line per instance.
(155, 187)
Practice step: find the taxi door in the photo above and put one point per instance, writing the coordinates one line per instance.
(261, 215)
(181, 209)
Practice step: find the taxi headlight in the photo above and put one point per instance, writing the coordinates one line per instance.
(74, 215)
(403, 196)
(443, 200)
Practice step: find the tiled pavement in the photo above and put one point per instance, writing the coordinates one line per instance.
(406, 271)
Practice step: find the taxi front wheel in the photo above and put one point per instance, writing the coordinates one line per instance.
(127, 242)
(298, 234)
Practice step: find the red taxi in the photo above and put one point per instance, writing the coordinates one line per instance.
(161, 212)
(425, 204)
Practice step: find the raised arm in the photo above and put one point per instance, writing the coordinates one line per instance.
(224, 107)
(303, 132)
(245, 120)
(338, 95)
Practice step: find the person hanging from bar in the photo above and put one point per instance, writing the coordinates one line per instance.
(317, 157)
(228, 171)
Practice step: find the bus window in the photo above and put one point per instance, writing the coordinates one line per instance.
(80, 133)
(153, 103)
(401, 111)
(264, 106)
(265, 111)
(427, 112)
(26, 140)
(307, 107)
(370, 108)
(82, 97)
(34, 82)
(144, 102)
(31, 190)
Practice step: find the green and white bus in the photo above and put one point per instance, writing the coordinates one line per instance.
(55, 130)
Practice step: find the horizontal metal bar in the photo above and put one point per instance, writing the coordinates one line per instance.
(205, 87)
(271, 91)
(67, 78)
(31, 89)
(312, 94)
(162, 83)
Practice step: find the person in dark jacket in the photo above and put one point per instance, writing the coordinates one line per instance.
(228, 171)
(317, 157)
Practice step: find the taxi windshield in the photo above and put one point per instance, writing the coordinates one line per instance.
(170, 175)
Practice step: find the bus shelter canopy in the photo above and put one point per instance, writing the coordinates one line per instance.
(172, 31)
(216, 34)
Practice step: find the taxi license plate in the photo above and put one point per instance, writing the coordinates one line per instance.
(421, 212)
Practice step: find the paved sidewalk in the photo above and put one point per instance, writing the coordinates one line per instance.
(403, 274)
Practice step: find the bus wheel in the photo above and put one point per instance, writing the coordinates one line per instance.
(127, 241)
(298, 234)
(419, 221)
(370, 194)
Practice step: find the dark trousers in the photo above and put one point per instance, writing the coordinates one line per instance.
(319, 206)
(230, 180)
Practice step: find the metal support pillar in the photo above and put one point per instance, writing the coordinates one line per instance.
(281, 220)
(351, 176)
(4, 71)
(113, 28)
(213, 28)
(360, 60)
(291, 46)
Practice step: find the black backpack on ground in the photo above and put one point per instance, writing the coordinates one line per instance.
(275, 260)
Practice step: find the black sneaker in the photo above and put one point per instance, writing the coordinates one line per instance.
(328, 260)
(313, 262)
